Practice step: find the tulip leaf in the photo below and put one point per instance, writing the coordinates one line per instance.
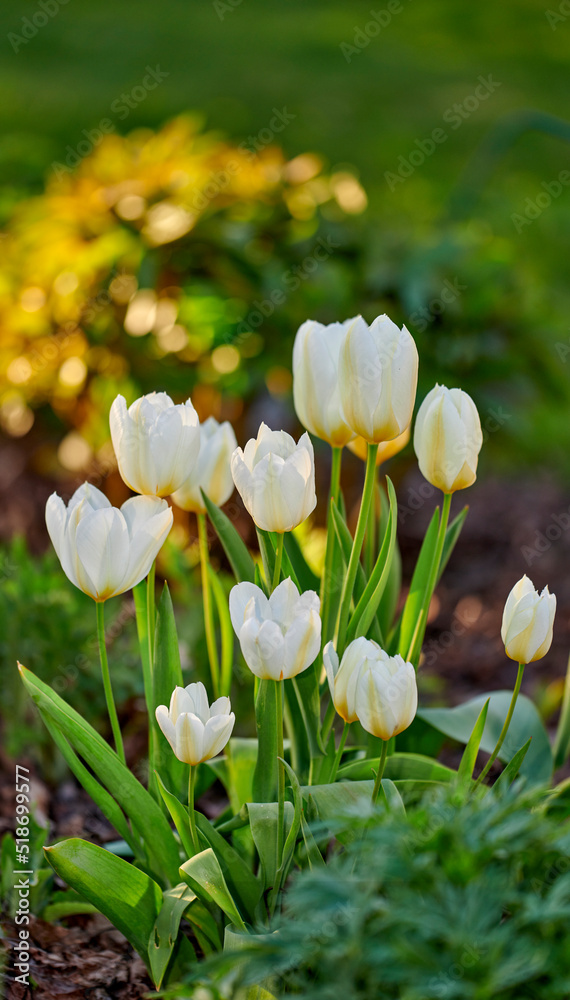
(164, 937)
(166, 675)
(233, 545)
(415, 599)
(291, 838)
(245, 887)
(314, 856)
(236, 769)
(128, 897)
(469, 758)
(345, 543)
(389, 600)
(267, 552)
(226, 632)
(265, 774)
(178, 814)
(143, 811)
(410, 766)
(451, 535)
(305, 576)
(458, 722)
(508, 775)
(366, 608)
(263, 824)
(236, 941)
(204, 875)
(393, 798)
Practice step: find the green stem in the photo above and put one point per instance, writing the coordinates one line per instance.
(278, 559)
(208, 607)
(328, 722)
(417, 637)
(150, 584)
(381, 766)
(505, 728)
(280, 773)
(338, 755)
(191, 816)
(370, 541)
(367, 494)
(107, 682)
(327, 580)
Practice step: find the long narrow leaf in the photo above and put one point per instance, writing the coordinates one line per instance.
(414, 600)
(235, 548)
(469, 758)
(365, 610)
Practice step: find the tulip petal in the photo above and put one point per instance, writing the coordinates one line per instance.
(331, 665)
(149, 521)
(240, 596)
(166, 725)
(180, 702)
(217, 732)
(302, 644)
(189, 738)
(263, 648)
(102, 544)
(282, 602)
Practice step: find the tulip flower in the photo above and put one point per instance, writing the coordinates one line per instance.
(276, 479)
(316, 391)
(196, 732)
(105, 551)
(156, 443)
(448, 439)
(212, 472)
(280, 636)
(378, 378)
(526, 631)
(528, 620)
(386, 697)
(386, 449)
(343, 678)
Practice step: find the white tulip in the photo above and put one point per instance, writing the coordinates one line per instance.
(195, 730)
(212, 472)
(103, 550)
(276, 479)
(448, 439)
(528, 620)
(156, 442)
(378, 370)
(386, 698)
(316, 391)
(280, 636)
(343, 678)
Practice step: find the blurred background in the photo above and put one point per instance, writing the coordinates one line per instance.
(182, 184)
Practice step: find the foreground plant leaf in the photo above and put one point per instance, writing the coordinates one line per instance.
(164, 936)
(205, 877)
(233, 545)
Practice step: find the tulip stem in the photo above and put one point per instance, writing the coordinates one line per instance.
(504, 730)
(380, 772)
(208, 608)
(327, 580)
(348, 587)
(338, 755)
(417, 637)
(370, 542)
(191, 814)
(150, 587)
(107, 682)
(280, 775)
(278, 559)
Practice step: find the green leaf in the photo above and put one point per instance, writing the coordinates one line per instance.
(245, 887)
(144, 813)
(236, 770)
(399, 766)
(265, 775)
(226, 632)
(128, 897)
(267, 551)
(345, 545)
(512, 769)
(307, 579)
(451, 535)
(178, 814)
(365, 610)
(562, 741)
(164, 935)
(414, 600)
(235, 548)
(291, 839)
(166, 675)
(458, 723)
(389, 600)
(204, 875)
(263, 824)
(314, 856)
(469, 758)
(393, 798)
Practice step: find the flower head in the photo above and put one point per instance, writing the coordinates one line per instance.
(212, 472)
(528, 620)
(448, 439)
(195, 730)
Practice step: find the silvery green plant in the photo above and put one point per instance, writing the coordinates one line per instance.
(334, 666)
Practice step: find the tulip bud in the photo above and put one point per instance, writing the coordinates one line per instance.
(386, 697)
(212, 472)
(448, 439)
(156, 442)
(316, 390)
(386, 449)
(528, 620)
(276, 479)
(280, 636)
(105, 551)
(343, 679)
(195, 730)
(378, 378)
